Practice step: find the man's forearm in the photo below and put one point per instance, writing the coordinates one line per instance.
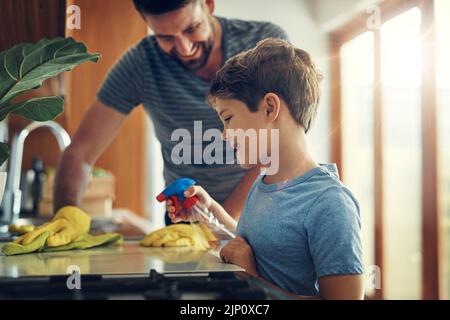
(72, 177)
(236, 200)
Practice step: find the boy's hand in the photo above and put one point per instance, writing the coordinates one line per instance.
(204, 199)
(239, 252)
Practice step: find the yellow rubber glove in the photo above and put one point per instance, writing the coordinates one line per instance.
(66, 226)
(87, 241)
(177, 255)
(21, 229)
(180, 235)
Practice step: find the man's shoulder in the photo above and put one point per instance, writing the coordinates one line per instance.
(144, 47)
(137, 51)
(146, 44)
(257, 29)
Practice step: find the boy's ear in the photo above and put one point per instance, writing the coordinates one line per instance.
(271, 105)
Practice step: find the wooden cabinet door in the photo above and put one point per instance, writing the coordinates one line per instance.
(110, 28)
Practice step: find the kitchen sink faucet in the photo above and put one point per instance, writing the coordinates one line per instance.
(13, 194)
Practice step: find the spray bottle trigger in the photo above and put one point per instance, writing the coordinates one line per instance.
(189, 203)
(177, 203)
(161, 197)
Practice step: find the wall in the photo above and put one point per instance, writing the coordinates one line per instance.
(330, 14)
(103, 30)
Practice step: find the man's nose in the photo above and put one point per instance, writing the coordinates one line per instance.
(184, 46)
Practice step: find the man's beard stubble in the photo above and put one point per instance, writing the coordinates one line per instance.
(205, 46)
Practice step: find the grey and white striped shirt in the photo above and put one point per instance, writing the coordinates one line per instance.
(174, 98)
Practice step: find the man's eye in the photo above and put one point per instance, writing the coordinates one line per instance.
(193, 29)
(165, 39)
(227, 119)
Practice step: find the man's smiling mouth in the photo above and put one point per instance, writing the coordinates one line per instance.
(197, 48)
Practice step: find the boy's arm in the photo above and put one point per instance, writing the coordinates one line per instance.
(336, 287)
(333, 226)
(236, 200)
(347, 287)
(342, 287)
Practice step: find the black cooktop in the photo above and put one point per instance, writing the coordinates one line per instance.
(155, 286)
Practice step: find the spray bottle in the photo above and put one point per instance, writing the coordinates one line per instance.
(196, 212)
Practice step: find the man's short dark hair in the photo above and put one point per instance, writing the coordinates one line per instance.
(155, 7)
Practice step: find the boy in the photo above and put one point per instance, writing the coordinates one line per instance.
(300, 228)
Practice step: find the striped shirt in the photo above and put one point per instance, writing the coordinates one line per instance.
(175, 98)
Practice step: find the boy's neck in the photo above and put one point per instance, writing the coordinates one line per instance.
(294, 157)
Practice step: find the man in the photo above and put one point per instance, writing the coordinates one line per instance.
(169, 73)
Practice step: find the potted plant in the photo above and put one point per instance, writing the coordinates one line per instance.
(25, 67)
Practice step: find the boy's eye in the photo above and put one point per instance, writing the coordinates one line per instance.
(227, 119)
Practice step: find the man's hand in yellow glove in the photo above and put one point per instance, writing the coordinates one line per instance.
(66, 226)
(180, 235)
(21, 229)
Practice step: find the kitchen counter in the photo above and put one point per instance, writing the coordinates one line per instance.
(130, 272)
(126, 259)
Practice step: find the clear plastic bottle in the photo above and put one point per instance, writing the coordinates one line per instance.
(198, 213)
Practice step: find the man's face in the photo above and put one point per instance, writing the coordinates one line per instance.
(187, 34)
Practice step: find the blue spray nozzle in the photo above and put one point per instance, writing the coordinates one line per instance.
(177, 189)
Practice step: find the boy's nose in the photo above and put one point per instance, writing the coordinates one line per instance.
(224, 135)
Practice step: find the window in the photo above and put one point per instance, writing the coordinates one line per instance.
(357, 109)
(442, 9)
(401, 99)
(390, 129)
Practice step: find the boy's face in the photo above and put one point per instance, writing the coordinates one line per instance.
(242, 128)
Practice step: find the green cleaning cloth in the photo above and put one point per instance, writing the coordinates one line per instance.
(38, 244)
(84, 241)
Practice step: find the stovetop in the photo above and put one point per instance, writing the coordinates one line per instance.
(214, 286)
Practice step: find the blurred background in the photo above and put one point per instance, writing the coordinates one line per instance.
(384, 117)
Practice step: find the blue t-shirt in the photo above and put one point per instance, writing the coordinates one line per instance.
(303, 229)
(175, 98)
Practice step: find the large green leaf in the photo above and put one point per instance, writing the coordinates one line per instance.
(37, 109)
(4, 153)
(25, 66)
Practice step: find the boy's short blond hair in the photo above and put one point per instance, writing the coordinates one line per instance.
(276, 66)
